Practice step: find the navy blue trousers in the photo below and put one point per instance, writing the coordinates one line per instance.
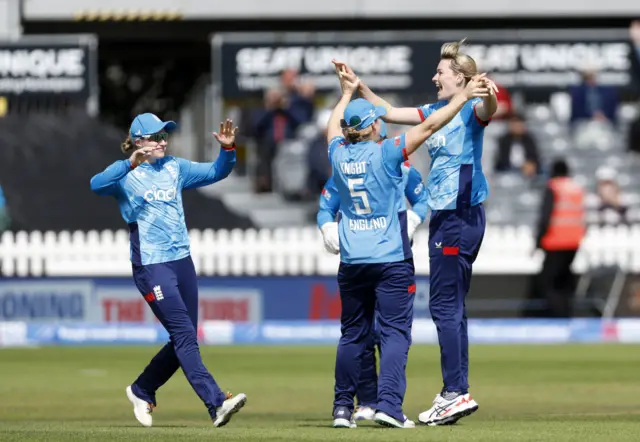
(387, 289)
(455, 237)
(367, 390)
(171, 289)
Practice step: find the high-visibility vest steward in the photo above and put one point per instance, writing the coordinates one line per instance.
(566, 226)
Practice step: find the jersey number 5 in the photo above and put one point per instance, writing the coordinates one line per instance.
(365, 208)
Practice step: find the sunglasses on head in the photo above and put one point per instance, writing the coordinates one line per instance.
(160, 136)
(354, 121)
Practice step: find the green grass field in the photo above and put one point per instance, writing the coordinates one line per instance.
(526, 393)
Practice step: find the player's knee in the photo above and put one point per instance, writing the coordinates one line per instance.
(448, 320)
(184, 337)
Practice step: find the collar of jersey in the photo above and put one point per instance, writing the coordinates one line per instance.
(157, 165)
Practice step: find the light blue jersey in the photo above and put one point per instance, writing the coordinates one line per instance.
(370, 185)
(456, 179)
(150, 200)
(414, 191)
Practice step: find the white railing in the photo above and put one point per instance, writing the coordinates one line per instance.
(286, 251)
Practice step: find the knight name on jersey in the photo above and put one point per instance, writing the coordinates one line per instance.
(354, 168)
(368, 224)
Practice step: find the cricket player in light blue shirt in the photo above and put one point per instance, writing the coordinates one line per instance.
(376, 271)
(414, 191)
(456, 189)
(148, 187)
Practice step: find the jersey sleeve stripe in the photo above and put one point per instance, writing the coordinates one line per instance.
(422, 118)
(404, 154)
(480, 122)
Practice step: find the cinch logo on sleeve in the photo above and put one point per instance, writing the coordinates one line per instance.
(156, 194)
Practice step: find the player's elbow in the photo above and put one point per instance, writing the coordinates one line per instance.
(96, 186)
(223, 172)
(324, 216)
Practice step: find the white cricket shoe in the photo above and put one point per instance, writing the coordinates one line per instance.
(141, 409)
(364, 414)
(448, 410)
(342, 418)
(229, 407)
(385, 420)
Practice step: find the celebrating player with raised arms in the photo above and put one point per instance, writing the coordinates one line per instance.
(376, 264)
(414, 191)
(456, 188)
(367, 391)
(148, 187)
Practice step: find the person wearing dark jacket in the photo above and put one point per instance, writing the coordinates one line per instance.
(273, 124)
(517, 150)
(592, 101)
(560, 230)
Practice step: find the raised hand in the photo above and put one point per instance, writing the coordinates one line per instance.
(343, 68)
(476, 87)
(493, 89)
(349, 82)
(227, 135)
(140, 156)
(349, 86)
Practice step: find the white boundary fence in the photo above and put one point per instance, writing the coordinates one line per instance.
(287, 251)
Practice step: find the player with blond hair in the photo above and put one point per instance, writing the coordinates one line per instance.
(456, 188)
(376, 273)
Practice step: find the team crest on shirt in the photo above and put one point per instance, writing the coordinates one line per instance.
(139, 173)
(172, 170)
(326, 194)
(396, 141)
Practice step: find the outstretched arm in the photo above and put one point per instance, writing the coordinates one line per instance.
(397, 115)
(349, 86)
(106, 183)
(434, 122)
(489, 104)
(202, 174)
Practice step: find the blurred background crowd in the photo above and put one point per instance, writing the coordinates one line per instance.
(73, 75)
(584, 110)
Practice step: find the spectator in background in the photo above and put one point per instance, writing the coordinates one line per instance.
(517, 150)
(610, 209)
(318, 160)
(590, 101)
(273, 124)
(298, 94)
(561, 229)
